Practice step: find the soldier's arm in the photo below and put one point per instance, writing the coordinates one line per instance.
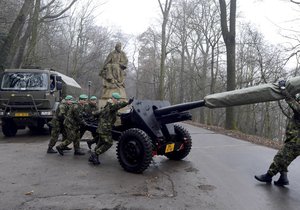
(96, 113)
(78, 115)
(293, 104)
(120, 105)
(61, 112)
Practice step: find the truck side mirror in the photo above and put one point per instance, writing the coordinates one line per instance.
(58, 85)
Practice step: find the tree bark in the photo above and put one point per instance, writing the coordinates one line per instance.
(13, 32)
(229, 39)
(165, 12)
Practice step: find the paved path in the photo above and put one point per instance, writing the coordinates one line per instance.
(218, 174)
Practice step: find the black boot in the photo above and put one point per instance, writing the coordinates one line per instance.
(89, 143)
(78, 152)
(60, 150)
(283, 180)
(67, 148)
(50, 150)
(264, 178)
(94, 158)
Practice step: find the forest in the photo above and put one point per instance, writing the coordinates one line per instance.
(196, 48)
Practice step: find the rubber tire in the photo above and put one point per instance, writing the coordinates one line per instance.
(9, 129)
(181, 132)
(139, 158)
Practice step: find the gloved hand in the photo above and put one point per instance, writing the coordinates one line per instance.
(130, 100)
(281, 84)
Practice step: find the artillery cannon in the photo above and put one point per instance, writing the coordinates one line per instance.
(149, 130)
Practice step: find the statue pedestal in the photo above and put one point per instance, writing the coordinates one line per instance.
(107, 95)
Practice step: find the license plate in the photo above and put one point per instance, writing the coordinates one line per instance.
(22, 114)
(169, 147)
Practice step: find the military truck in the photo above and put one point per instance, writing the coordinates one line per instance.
(30, 96)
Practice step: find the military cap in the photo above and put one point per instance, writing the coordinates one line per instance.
(83, 97)
(93, 98)
(68, 97)
(116, 95)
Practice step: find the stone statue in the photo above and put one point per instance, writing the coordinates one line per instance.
(113, 71)
(113, 74)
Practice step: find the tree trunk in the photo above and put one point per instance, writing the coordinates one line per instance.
(31, 53)
(11, 37)
(165, 12)
(229, 39)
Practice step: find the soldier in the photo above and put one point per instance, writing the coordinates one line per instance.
(57, 123)
(291, 147)
(89, 109)
(107, 118)
(73, 123)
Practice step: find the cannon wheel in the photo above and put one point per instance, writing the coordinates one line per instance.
(182, 135)
(134, 150)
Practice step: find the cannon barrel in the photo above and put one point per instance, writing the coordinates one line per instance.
(179, 107)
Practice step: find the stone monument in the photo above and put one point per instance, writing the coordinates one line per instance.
(113, 74)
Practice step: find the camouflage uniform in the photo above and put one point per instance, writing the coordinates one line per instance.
(73, 122)
(107, 118)
(57, 123)
(291, 148)
(88, 110)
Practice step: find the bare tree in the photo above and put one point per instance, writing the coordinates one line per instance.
(165, 10)
(229, 39)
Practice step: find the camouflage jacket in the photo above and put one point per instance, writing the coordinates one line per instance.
(88, 112)
(293, 126)
(74, 117)
(60, 112)
(108, 115)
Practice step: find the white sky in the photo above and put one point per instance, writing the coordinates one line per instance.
(271, 17)
(131, 16)
(135, 16)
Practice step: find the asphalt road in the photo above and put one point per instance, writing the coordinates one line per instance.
(218, 174)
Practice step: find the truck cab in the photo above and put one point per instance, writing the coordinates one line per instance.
(29, 97)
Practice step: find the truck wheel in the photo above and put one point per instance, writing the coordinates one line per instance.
(134, 150)
(9, 128)
(182, 136)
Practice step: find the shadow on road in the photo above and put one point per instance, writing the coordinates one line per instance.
(27, 136)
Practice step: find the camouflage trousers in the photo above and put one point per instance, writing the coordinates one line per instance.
(57, 128)
(94, 134)
(105, 142)
(95, 138)
(289, 152)
(73, 135)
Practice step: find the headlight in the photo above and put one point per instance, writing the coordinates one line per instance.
(1, 113)
(46, 113)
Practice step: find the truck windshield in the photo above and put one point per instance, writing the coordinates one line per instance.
(24, 81)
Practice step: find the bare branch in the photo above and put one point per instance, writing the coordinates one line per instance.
(60, 13)
(46, 6)
(295, 2)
